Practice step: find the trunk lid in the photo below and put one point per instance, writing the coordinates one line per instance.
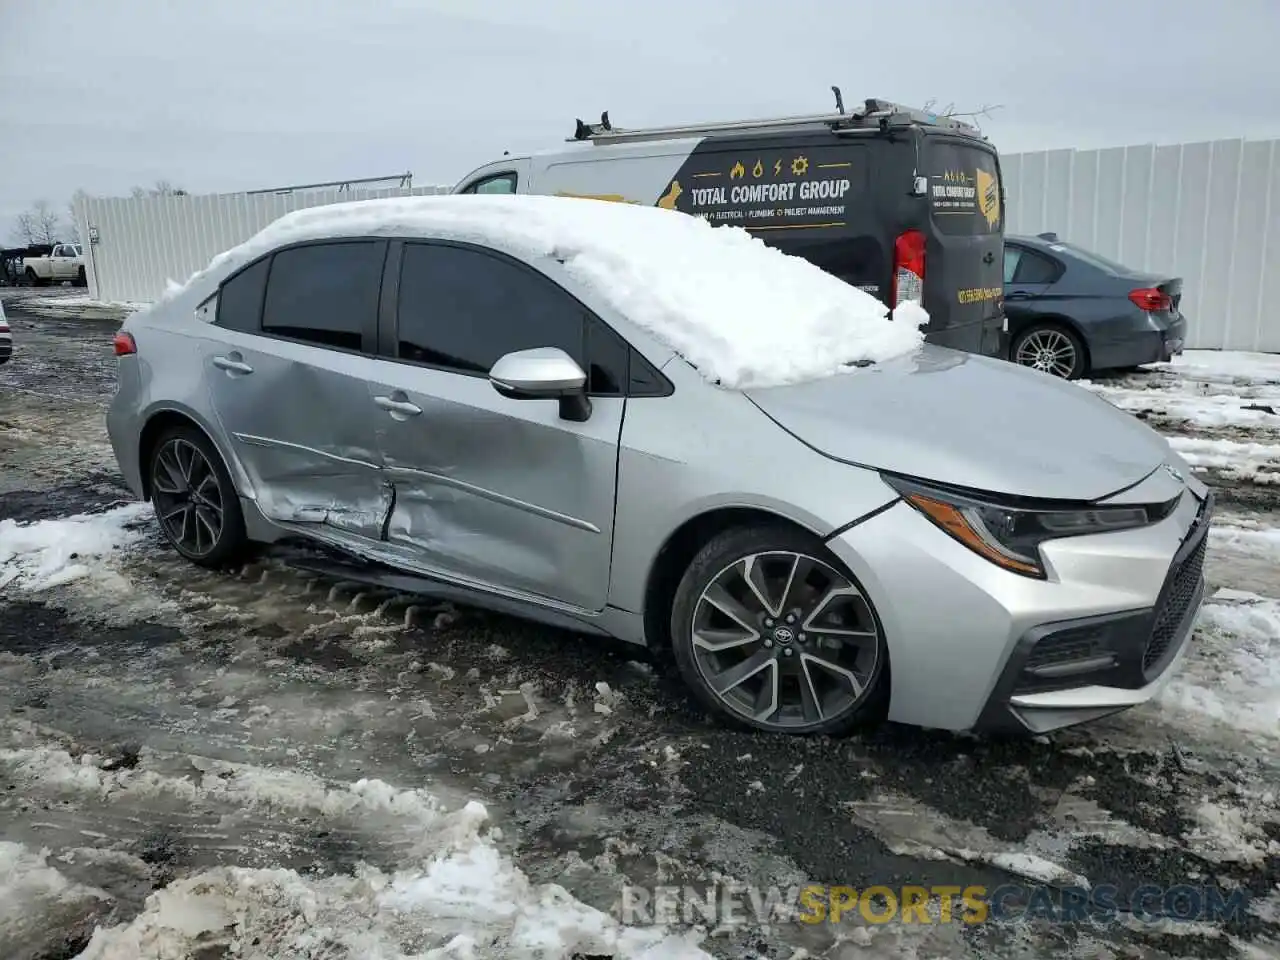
(973, 422)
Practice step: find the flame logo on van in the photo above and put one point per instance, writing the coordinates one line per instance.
(988, 197)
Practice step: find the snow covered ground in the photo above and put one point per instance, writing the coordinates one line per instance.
(273, 765)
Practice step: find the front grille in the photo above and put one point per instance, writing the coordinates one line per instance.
(1182, 590)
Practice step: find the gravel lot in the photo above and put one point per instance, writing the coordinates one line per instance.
(160, 724)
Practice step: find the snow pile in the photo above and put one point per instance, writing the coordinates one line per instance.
(1256, 462)
(1235, 678)
(743, 313)
(1226, 365)
(467, 901)
(35, 896)
(47, 553)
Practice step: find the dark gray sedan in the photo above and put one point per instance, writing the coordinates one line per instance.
(1072, 311)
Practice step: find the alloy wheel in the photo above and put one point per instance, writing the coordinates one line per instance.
(188, 497)
(783, 639)
(1050, 351)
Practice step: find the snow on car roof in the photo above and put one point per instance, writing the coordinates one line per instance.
(744, 314)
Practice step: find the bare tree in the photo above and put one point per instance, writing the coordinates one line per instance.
(161, 188)
(40, 224)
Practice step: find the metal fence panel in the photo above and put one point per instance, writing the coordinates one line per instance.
(1207, 212)
(144, 243)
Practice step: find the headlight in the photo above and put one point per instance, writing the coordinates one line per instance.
(1010, 536)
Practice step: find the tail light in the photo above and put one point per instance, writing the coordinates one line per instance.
(908, 267)
(1150, 299)
(124, 344)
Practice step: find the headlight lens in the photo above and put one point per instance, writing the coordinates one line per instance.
(1010, 536)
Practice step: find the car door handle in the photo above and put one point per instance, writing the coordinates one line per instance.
(232, 366)
(392, 405)
(1018, 295)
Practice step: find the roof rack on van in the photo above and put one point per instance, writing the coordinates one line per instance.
(881, 113)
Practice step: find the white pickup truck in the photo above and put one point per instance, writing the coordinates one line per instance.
(64, 262)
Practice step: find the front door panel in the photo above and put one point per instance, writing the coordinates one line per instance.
(497, 491)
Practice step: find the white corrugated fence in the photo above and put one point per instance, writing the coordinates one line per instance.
(144, 242)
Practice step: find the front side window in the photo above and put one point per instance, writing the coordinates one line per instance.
(502, 183)
(325, 293)
(462, 309)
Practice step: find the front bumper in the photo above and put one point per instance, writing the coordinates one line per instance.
(974, 647)
(1074, 671)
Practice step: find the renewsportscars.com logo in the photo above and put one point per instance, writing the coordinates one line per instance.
(733, 904)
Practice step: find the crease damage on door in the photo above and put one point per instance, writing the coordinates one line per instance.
(453, 525)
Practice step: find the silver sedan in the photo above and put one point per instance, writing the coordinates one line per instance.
(437, 390)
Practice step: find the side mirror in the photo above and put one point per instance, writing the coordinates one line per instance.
(543, 373)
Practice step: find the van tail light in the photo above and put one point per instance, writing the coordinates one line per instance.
(908, 267)
(1150, 299)
(124, 344)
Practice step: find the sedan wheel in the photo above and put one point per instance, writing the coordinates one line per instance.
(198, 508)
(1050, 349)
(776, 636)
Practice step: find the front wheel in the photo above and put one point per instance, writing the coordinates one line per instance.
(195, 500)
(772, 634)
(81, 279)
(1052, 349)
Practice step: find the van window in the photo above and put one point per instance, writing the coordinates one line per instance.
(501, 183)
(965, 194)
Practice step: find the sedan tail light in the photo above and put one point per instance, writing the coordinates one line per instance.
(1150, 299)
(124, 344)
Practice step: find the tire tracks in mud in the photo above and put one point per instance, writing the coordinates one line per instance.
(277, 669)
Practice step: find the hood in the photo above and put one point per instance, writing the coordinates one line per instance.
(970, 421)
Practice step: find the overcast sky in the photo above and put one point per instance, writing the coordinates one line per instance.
(242, 94)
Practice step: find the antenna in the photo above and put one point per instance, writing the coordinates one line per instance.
(839, 99)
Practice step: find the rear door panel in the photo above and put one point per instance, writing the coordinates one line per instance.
(965, 258)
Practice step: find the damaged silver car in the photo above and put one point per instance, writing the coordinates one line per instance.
(944, 539)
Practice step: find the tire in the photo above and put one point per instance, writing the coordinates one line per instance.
(33, 278)
(847, 680)
(192, 534)
(81, 279)
(1052, 348)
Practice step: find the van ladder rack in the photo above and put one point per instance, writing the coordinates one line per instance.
(875, 113)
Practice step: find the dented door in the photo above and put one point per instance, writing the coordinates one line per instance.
(303, 429)
(496, 491)
(500, 492)
(287, 375)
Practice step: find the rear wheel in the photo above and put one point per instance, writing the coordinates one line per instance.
(33, 278)
(81, 279)
(772, 634)
(195, 500)
(1051, 348)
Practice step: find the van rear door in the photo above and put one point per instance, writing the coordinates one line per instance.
(964, 271)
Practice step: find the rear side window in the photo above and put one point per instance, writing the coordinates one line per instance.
(965, 196)
(1034, 268)
(240, 298)
(325, 293)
